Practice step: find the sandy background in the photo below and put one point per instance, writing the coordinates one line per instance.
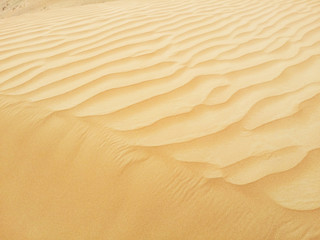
(10, 8)
(160, 120)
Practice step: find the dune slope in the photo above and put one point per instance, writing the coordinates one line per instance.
(161, 120)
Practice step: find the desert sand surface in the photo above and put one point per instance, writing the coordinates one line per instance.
(169, 120)
(10, 8)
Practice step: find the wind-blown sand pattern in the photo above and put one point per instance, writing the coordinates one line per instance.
(161, 120)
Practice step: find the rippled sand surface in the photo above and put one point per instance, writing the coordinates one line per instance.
(161, 120)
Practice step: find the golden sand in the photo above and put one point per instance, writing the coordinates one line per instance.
(171, 120)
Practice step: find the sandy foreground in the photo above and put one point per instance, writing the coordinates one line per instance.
(171, 120)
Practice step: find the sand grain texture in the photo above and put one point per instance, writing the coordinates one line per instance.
(161, 120)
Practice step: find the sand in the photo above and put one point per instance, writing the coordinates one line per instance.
(162, 119)
(9, 8)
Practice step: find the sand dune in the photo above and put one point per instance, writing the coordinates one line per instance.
(161, 120)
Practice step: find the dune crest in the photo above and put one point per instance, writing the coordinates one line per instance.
(118, 120)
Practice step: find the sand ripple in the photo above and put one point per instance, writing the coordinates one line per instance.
(222, 95)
